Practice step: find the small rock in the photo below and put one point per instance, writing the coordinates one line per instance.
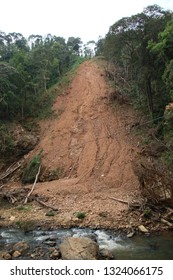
(20, 246)
(106, 254)
(55, 255)
(5, 256)
(16, 254)
(51, 249)
(131, 234)
(12, 218)
(142, 229)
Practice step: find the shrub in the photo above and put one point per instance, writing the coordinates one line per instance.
(80, 215)
(31, 170)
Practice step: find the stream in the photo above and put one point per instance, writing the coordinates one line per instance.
(140, 247)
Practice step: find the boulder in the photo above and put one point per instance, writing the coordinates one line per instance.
(5, 256)
(21, 247)
(16, 254)
(75, 248)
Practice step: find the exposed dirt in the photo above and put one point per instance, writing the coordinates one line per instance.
(90, 146)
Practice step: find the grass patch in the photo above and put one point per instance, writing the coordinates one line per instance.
(167, 158)
(24, 208)
(6, 139)
(80, 215)
(25, 225)
(31, 169)
(147, 213)
(50, 214)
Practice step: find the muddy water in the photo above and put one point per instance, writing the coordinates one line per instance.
(139, 247)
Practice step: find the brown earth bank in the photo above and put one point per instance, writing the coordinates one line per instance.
(90, 148)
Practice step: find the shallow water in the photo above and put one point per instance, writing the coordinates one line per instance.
(154, 247)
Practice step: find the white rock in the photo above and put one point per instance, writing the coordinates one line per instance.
(142, 229)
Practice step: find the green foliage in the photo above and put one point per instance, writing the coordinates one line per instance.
(131, 44)
(50, 213)
(31, 169)
(6, 139)
(147, 213)
(24, 208)
(168, 78)
(26, 225)
(168, 125)
(80, 215)
(29, 68)
(167, 158)
(47, 99)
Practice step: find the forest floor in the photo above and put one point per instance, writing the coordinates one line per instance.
(89, 145)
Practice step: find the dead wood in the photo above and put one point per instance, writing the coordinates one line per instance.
(131, 204)
(1, 187)
(156, 184)
(46, 205)
(166, 222)
(10, 170)
(119, 200)
(170, 213)
(32, 189)
(10, 197)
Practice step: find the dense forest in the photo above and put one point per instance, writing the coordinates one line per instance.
(29, 67)
(141, 49)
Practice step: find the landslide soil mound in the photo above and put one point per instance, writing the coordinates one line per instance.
(90, 147)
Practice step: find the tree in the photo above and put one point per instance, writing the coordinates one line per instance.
(99, 49)
(126, 44)
(10, 89)
(89, 49)
(163, 51)
(74, 45)
(29, 67)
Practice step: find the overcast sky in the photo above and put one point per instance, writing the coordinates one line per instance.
(85, 19)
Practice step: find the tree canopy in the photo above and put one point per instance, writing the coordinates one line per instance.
(29, 67)
(141, 47)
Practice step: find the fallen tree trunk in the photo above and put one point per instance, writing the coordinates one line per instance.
(46, 205)
(10, 170)
(119, 200)
(32, 189)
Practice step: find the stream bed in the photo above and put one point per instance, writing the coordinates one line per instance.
(140, 247)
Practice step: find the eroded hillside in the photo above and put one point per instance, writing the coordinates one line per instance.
(90, 148)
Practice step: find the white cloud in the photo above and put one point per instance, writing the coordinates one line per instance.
(85, 19)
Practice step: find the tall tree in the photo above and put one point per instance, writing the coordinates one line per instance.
(126, 44)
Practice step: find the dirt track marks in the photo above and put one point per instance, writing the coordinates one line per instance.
(89, 136)
(89, 143)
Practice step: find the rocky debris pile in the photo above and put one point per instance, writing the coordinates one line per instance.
(17, 250)
(72, 248)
